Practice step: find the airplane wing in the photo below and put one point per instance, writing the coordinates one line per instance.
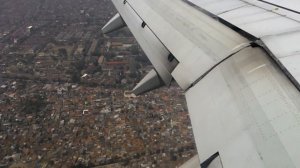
(238, 63)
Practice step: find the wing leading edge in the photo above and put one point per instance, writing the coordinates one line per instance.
(242, 104)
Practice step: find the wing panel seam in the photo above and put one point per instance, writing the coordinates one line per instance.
(243, 33)
(288, 9)
(252, 44)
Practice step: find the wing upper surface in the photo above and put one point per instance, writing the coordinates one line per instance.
(276, 23)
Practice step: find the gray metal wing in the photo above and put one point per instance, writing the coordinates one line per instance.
(237, 61)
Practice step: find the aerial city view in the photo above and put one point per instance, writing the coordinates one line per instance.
(149, 84)
(65, 99)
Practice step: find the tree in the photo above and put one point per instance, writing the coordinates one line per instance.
(75, 77)
(33, 104)
(62, 52)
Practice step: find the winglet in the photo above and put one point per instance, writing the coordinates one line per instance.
(150, 82)
(113, 24)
